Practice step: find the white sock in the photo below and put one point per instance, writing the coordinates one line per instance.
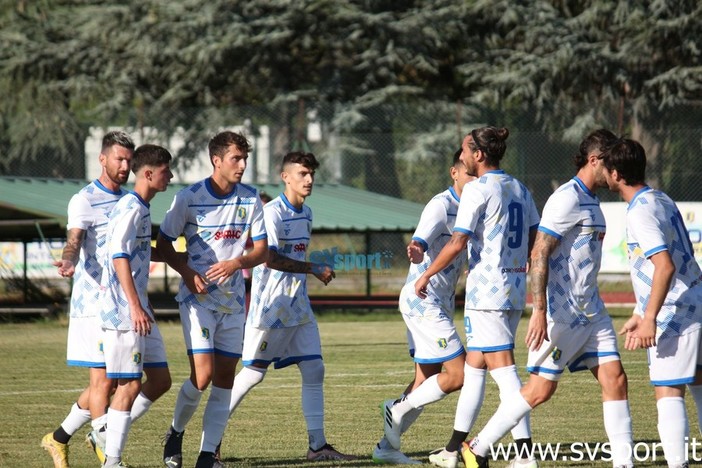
(512, 409)
(75, 419)
(186, 404)
(410, 418)
(118, 423)
(428, 392)
(696, 392)
(215, 418)
(508, 382)
(673, 429)
(313, 401)
(245, 380)
(141, 405)
(470, 399)
(617, 423)
(99, 422)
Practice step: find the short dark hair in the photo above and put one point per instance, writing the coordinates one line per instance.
(629, 159)
(299, 157)
(457, 157)
(265, 198)
(599, 140)
(117, 138)
(149, 155)
(491, 141)
(220, 143)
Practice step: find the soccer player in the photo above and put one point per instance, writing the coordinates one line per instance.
(216, 215)
(431, 332)
(281, 328)
(568, 308)
(130, 334)
(498, 215)
(668, 284)
(82, 259)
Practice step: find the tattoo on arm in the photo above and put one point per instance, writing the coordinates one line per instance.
(282, 263)
(74, 240)
(543, 247)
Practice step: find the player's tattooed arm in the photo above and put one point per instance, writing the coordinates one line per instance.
(544, 245)
(286, 264)
(74, 240)
(71, 253)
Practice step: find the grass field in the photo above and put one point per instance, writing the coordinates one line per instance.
(366, 362)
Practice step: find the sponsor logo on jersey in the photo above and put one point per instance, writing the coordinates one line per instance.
(228, 234)
(301, 247)
(241, 212)
(443, 344)
(136, 358)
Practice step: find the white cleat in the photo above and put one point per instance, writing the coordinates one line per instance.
(443, 458)
(392, 426)
(392, 457)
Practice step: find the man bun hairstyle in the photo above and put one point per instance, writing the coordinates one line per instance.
(491, 141)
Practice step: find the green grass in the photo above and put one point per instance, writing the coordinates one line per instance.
(366, 362)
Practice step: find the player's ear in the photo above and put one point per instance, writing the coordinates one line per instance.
(103, 159)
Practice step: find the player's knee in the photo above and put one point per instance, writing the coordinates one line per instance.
(452, 382)
(312, 371)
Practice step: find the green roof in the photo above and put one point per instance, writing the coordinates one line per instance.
(31, 207)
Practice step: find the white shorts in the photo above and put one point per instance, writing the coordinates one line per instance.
(431, 335)
(84, 347)
(675, 359)
(127, 353)
(207, 331)
(490, 330)
(282, 346)
(578, 347)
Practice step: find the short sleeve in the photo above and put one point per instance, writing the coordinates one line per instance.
(470, 209)
(258, 225)
(174, 221)
(272, 219)
(80, 213)
(560, 215)
(432, 223)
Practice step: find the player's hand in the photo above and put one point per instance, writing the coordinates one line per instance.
(324, 273)
(646, 333)
(141, 321)
(420, 286)
(221, 271)
(195, 283)
(415, 253)
(537, 332)
(66, 268)
(632, 341)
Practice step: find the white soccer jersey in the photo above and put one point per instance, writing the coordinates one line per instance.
(279, 299)
(654, 224)
(497, 212)
(433, 232)
(128, 236)
(88, 211)
(574, 217)
(215, 228)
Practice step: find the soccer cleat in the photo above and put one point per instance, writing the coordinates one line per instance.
(208, 460)
(392, 457)
(121, 464)
(391, 426)
(471, 460)
(96, 441)
(173, 448)
(327, 452)
(443, 458)
(519, 463)
(218, 452)
(57, 450)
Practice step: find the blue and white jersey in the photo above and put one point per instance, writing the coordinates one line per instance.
(279, 299)
(215, 228)
(497, 212)
(433, 232)
(128, 236)
(88, 211)
(574, 217)
(654, 224)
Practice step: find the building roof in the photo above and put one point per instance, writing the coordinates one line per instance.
(34, 207)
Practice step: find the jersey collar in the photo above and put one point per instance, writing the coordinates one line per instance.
(454, 195)
(641, 191)
(290, 205)
(584, 187)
